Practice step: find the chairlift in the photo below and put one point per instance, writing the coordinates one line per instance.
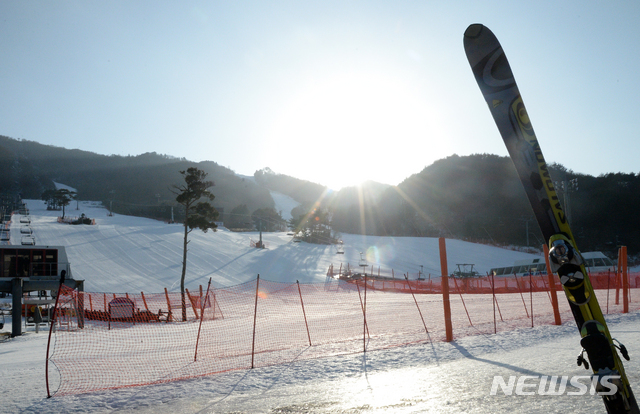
(340, 248)
(363, 261)
(28, 240)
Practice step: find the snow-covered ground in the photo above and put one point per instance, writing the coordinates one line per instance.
(121, 254)
(284, 204)
(132, 254)
(436, 377)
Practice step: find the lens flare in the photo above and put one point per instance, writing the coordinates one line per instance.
(381, 253)
(373, 255)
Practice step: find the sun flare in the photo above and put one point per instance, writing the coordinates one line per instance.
(340, 131)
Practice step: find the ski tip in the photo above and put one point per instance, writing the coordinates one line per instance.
(479, 43)
(473, 30)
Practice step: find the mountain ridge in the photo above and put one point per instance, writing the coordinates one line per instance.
(476, 197)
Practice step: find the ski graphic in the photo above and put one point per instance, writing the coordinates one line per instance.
(498, 86)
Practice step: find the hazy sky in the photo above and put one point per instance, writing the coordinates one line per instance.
(332, 92)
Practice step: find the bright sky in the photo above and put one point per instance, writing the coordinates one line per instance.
(332, 92)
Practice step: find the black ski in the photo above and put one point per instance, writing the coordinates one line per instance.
(498, 86)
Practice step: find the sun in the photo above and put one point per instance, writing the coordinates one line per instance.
(341, 131)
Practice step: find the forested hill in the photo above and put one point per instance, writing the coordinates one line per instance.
(138, 185)
(477, 197)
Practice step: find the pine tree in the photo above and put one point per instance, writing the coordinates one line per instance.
(63, 198)
(198, 214)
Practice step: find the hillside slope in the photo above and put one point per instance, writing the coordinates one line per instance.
(131, 254)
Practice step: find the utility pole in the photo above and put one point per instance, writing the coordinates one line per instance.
(567, 187)
(526, 223)
(112, 192)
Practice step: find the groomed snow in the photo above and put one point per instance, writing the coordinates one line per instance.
(132, 254)
(284, 204)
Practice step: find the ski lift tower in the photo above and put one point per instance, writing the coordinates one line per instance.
(465, 270)
(111, 193)
(260, 244)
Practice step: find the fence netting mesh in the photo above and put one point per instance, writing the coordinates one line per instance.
(105, 340)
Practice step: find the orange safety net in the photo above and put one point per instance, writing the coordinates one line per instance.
(538, 282)
(106, 341)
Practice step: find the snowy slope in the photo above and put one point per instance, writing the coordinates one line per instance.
(60, 186)
(284, 204)
(132, 254)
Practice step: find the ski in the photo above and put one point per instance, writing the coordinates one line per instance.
(498, 86)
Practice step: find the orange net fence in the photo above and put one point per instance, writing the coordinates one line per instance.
(106, 341)
(537, 282)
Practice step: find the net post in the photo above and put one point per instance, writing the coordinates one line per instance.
(195, 356)
(51, 325)
(530, 296)
(521, 295)
(255, 317)
(445, 290)
(362, 307)
(79, 303)
(462, 299)
(625, 281)
(406, 277)
(214, 307)
(608, 286)
(544, 285)
(552, 287)
(618, 275)
(493, 296)
(106, 309)
(303, 312)
(169, 313)
(193, 305)
(365, 328)
(144, 300)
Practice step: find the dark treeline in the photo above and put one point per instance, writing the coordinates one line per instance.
(477, 198)
(305, 192)
(137, 185)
